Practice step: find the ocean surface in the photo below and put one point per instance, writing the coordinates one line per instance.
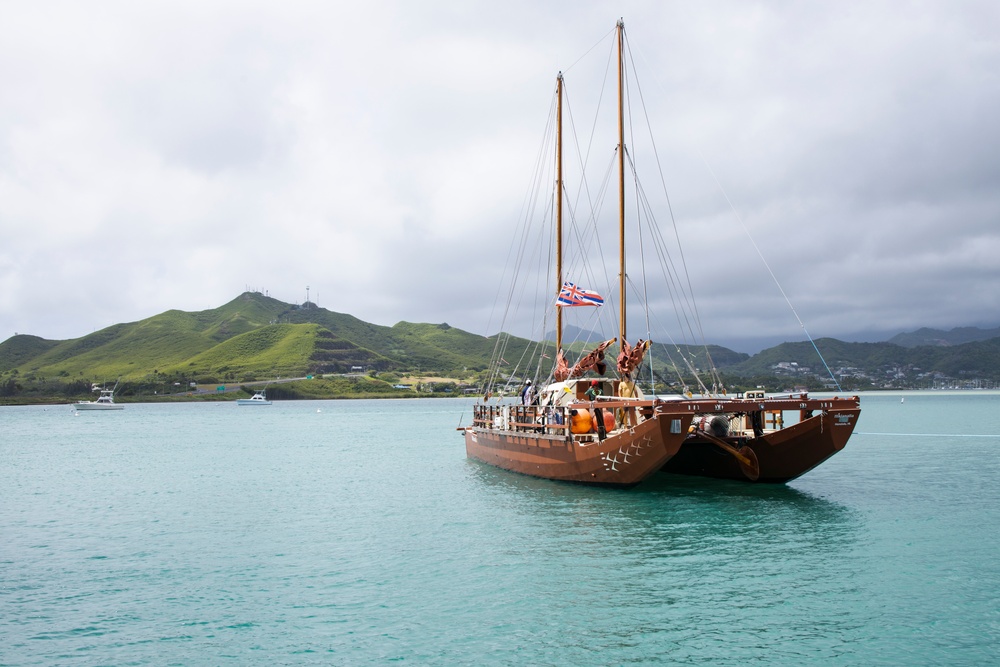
(357, 533)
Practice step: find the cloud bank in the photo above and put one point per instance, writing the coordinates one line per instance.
(169, 155)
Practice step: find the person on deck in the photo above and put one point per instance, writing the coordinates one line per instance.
(626, 389)
(592, 394)
(528, 393)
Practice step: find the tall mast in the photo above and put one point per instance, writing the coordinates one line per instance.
(621, 187)
(559, 203)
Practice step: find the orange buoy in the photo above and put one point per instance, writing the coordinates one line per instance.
(609, 420)
(580, 421)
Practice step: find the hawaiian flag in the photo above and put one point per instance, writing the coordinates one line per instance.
(571, 295)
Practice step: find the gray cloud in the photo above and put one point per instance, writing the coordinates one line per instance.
(158, 156)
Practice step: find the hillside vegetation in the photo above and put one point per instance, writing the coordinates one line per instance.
(253, 337)
(256, 337)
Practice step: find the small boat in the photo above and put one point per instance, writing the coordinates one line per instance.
(257, 399)
(104, 402)
(606, 431)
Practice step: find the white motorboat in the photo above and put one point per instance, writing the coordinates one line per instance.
(257, 399)
(105, 402)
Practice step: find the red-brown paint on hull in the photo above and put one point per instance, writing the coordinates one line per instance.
(782, 455)
(623, 459)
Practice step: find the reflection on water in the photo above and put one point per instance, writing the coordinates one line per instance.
(675, 514)
(699, 565)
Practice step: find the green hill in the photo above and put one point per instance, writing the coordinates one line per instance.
(20, 349)
(258, 337)
(940, 338)
(135, 349)
(278, 349)
(251, 336)
(837, 353)
(880, 365)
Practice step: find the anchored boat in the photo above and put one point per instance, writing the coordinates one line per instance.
(584, 427)
(259, 398)
(106, 401)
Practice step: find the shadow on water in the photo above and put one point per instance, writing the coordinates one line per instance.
(674, 514)
(705, 567)
(663, 486)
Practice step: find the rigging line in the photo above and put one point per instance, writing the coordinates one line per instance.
(590, 236)
(663, 252)
(656, 155)
(645, 298)
(585, 160)
(645, 282)
(649, 336)
(688, 293)
(675, 288)
(526, 235)
(768, 267)
(759, 253)
(635, 184)
(682, 309)
(584, 157)
(686, 358)
(587, 52)
(527, 208)
(666, 195)
(584, 190)
(641, 207)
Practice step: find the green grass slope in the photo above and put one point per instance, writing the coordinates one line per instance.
(443, 347)
(278, 349)
(21, 349)
(136, 349)
(287, 350)
(332, 354)
(246, 312)
(342, 325)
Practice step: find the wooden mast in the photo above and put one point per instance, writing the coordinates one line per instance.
(559, 203)
(621, 189)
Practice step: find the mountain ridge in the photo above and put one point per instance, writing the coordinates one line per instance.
(257, 336)
(251, 326)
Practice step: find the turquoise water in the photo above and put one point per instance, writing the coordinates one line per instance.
(357, 533)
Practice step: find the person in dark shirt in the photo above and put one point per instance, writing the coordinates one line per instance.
(592, 393)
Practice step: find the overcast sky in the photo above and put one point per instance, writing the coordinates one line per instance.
(168, 155)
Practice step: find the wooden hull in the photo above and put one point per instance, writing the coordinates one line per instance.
(623, 459)
(782, 455)
(670, 438)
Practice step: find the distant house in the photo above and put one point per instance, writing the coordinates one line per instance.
(402, 386)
